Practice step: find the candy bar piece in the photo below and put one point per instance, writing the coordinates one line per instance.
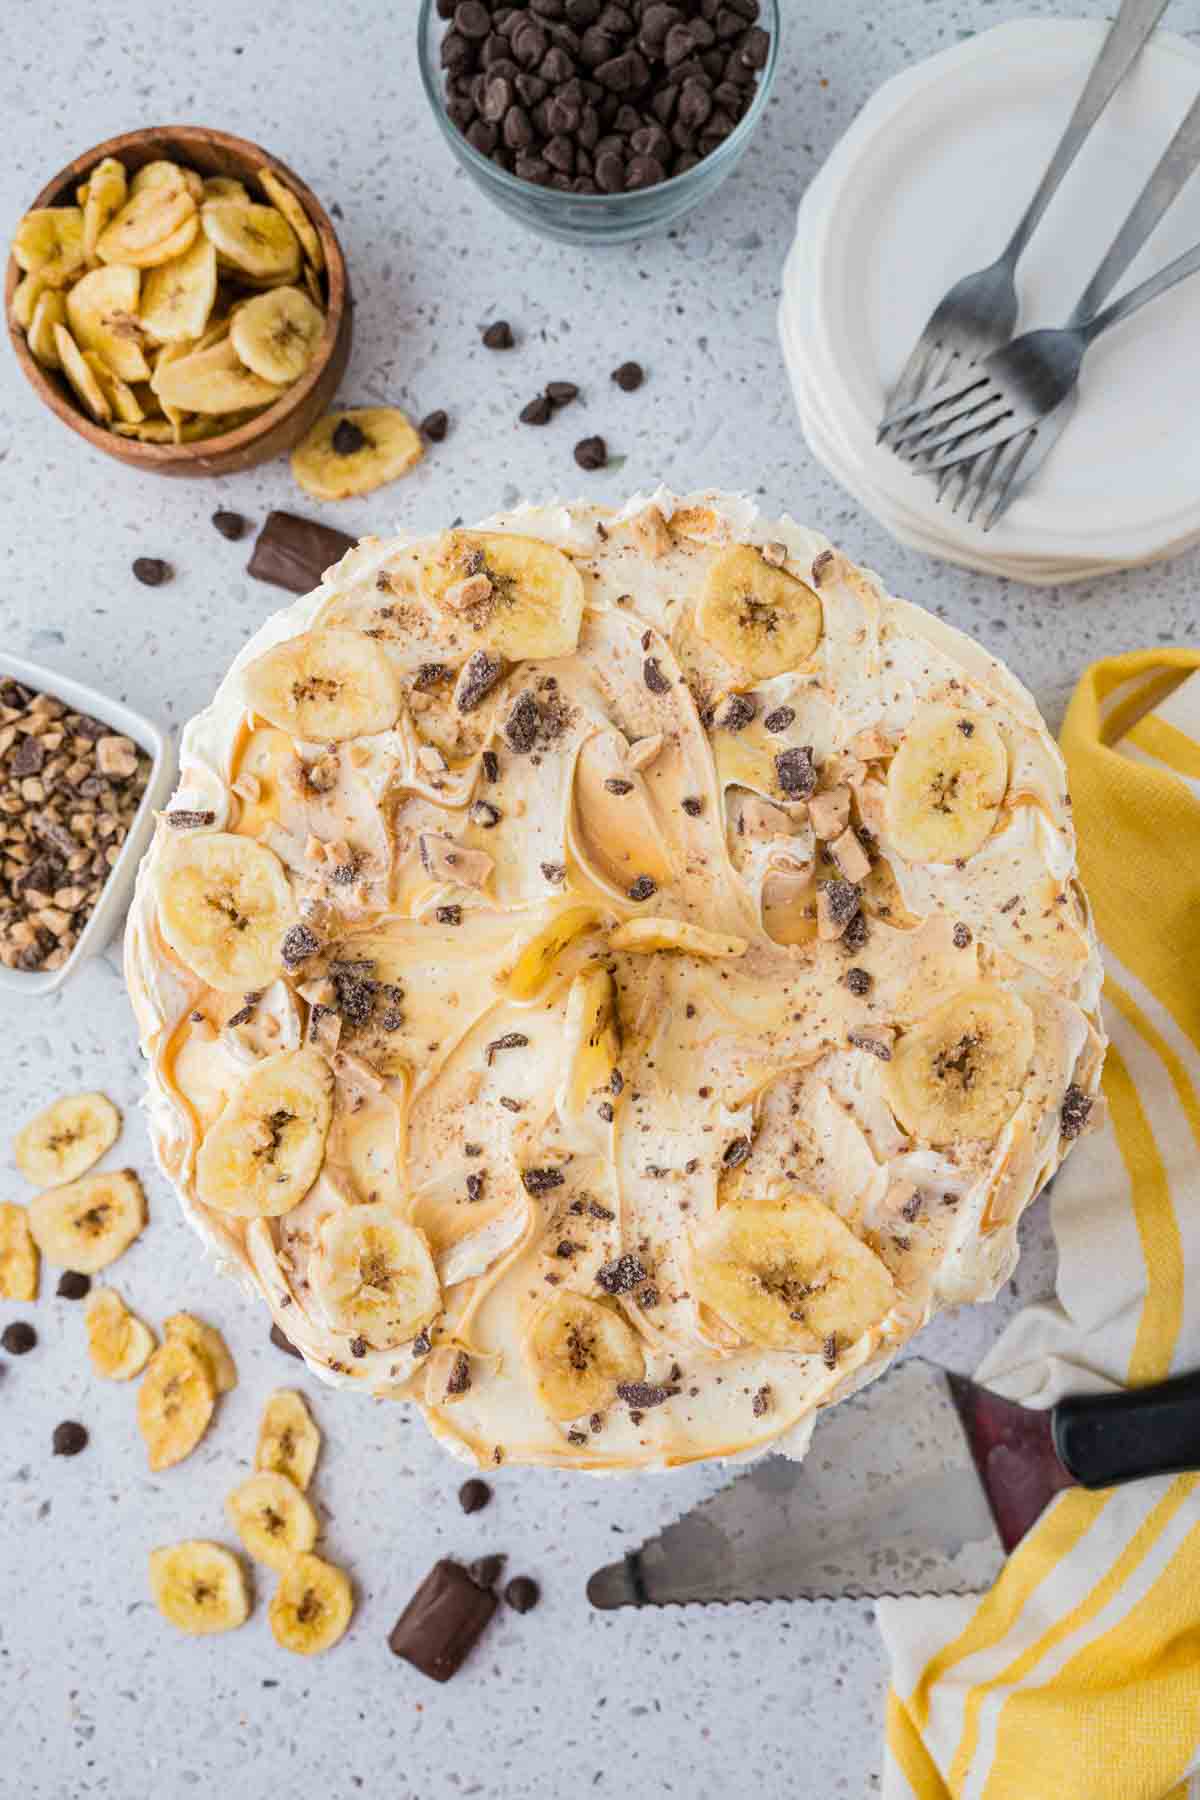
(442, 1622)
(294, 553)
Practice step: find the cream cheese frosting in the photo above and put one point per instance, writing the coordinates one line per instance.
(619, 970)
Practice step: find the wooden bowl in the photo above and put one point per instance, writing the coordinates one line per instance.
(281, 426)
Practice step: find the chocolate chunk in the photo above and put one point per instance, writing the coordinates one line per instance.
(855, 934)
(629, 377)
(523, 723)
(644, 1393)
(73, 1286)
(449, 915)
(693, 805)
(69, 1438)
(540, 1181)
(522, 1593)
(18, 1338)
(841, 899)
(642, 888)
(858, 981)
(490, 763)
(554, 872)
(512, 1040)
(1076, 1110)
(474, 1495)
(298, 945)
(358, 1346)
(736, 1153)
(486, 1571)
(652, 675)
(434, 426)
(27, 758)
(591, 453)
(231, 525)
(499, 336)
(561, 393)
(621, 1275)
(874, 1043)
(422, 1343)
(478, 677)
(152, 571)
(795, 772)
(182, 819)
(780, 718)
(442, 1622)
(284, 1343)
(761, 1402)
(962, 936)
(735, 713)
(475, 1186)
(348, 438)
(294, 553)
(538, 412)
(485, 815)
(459, 1379)
(431, 675)
(615, 785)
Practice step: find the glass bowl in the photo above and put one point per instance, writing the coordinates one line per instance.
(593, 218)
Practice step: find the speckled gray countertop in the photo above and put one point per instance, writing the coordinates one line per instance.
(97, 1695)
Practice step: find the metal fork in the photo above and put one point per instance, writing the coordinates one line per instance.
(1017, 387)
(980, 312)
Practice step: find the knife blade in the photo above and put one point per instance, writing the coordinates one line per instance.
(918, 1485)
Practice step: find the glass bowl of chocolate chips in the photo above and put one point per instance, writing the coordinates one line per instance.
(597, 121)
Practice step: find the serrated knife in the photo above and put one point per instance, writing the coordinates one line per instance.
(919, 1485)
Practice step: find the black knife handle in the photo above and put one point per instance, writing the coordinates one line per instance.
(1103, 1439)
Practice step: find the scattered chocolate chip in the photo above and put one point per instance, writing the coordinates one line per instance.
(18, 1338)
(858, 981)
(442, 1622)
(449, 915)
(962, 936)
(474, 1495)
(736, 1153)
(69, 1438)
(621, 1275)
(181, 819)
(478, 677)
(152, 571)
(522, 1593)
(294, 553)
(780, 718)
(231, 525)
(616, 785)
(434, 426)
(644, 1393)
(298, 945)
(348, 438)
(73, 1286)
(499, 336)
(1076, 1109)
(561, 393)
(540, 1181)
(652, 675)
(512, 1040)
(795, 772)
(911, 1208)
(591, 453)
(538, 411)
(693, 805)
(284, 1343)
(486, 1571)
(629, 377)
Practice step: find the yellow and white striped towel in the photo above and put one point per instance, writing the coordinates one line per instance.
(1078, 1676)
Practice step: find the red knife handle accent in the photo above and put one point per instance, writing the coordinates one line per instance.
(1104, 1439)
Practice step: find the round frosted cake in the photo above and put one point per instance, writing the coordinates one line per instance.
(610, 977)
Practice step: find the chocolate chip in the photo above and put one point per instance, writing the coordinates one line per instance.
(18, 1338)
(486, 1571)
(152, 571)
(538, 412)
(490, 763)
(795, 772)
(540, 1181)
(231, 525)
(475, 1186)
(561, 393)
(348, 438)
(485, 815)
(858, 981)
(281, 1342)
(358, 1346)
(522, 1593)
(621, 1275)
(736, 1153)
(73, 1286)
(294, 553)
(693, 805)
(962, 936)
(642, 888)
(780, 718)
(422, 1344)
(434, 426)
(735, 713)
(449, 915)
(69, 1438)
(591, 453)
(652, 675)
(499, 336)
(615, 785)
(1076, 1110)
(442, 1622)
(474, 1495)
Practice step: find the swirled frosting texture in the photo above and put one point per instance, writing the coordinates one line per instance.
(701, 1175)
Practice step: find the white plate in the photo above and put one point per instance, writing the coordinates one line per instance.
(926, 184)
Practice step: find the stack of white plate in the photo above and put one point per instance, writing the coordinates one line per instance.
(929, 183)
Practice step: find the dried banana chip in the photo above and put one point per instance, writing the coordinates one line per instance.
(51, 310)
(102, 198)
(119, 1343)
(312, 1606)
(224, 187)
(167, 174)
(49, 243)
(208, 1344)
(355, 452)
(89, 1223)
(147, 224)
(26, 295)
(200, 1587)
(288, 1438)
(276, 334)
(213, 381)
(80, 376)
(178, 296)
(282, 197)
(102, 312)
(175, 1403)
(19, 1261)
(66, 1138)
(257, 241)
(120, 396)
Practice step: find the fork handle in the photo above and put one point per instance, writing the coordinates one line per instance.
(1175, 169)
(1143, 293)
(1126, 39)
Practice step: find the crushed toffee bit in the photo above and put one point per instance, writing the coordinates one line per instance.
(1076, 1109)
(1012, 901)
(795, 772)
(616, 785)
(179, 818)
(841, 899)
(735, 713)
(472, 1149)
(523, 723)
(858, 981)
(911, 1208)
(875, 1043)
(652, 675)
(358, 1346)
(298, 945)
(642, 888)
(421, 1344)
(459, 1379)
(820, 565)
(605, 1109)
(829, 1351)
(512, 1040)
(649, 1296)
(779, 718)
(554, 872)
(616, 1082)
(736, 1153)
(856, 933)
(602, 1213)
(540, 1181)
(966, 727)
(622, 1275)
(509, 1104)
(475, 1184)
(761, 1402)
(692, 805)
(431, 675)
(962, 936)
(449, 915)
(644, 1394)
(242, 1017)
(575, 1436)
(491, 765)
(477, 678)
(485, 815)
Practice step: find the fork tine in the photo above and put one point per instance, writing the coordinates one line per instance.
(951, 386)
(912, 382)
(987, 464)
(937, 422)
(1006, 495)
(997, 430)
(966, 471)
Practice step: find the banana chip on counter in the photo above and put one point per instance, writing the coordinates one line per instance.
(86, 1225)
(273, 1519)
(200, 1587)
(19, 1262)
(119, 1343)
(351, 453)
(66, 1138)
(175, 1403)
(312, 1607)
(288, 1439)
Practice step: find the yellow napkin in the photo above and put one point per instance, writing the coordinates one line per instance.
(1078, 1676)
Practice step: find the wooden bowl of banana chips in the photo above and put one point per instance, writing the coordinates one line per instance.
(179, 298)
